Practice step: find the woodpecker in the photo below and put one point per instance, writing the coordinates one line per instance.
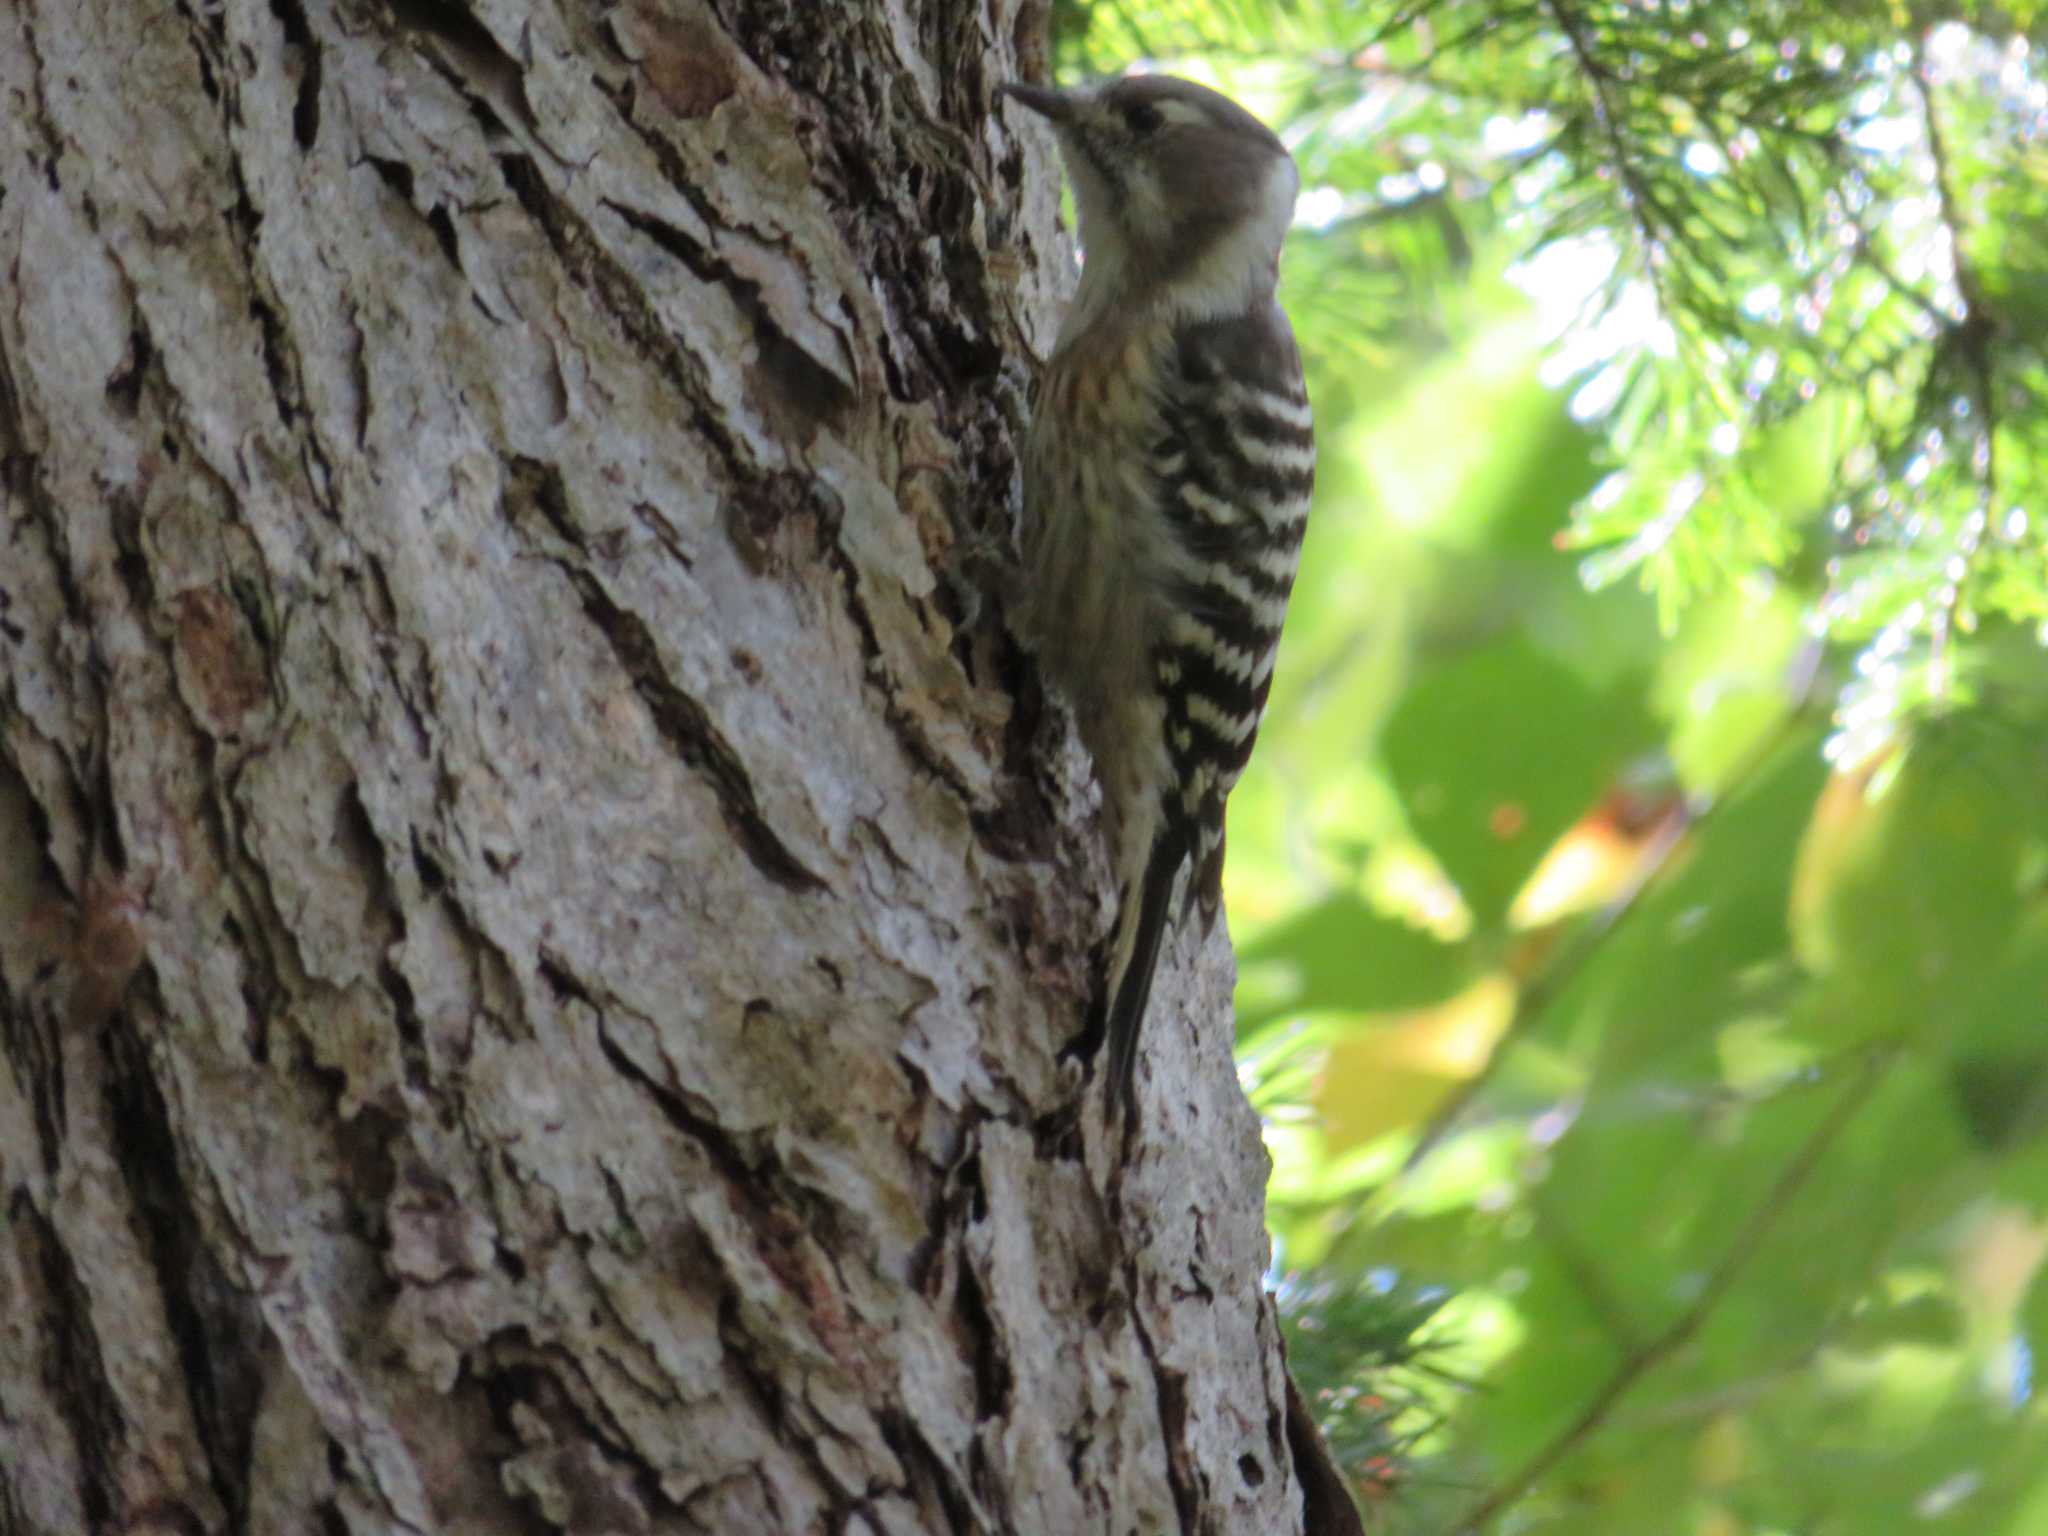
(1167, 474)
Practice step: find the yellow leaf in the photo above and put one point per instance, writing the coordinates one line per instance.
(1393, 1077)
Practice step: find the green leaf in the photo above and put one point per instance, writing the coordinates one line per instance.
(1340, 956)
(1496, 752)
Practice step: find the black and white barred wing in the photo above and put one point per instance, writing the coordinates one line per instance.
(1237, 470)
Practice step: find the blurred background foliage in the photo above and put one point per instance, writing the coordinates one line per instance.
(1641, 888)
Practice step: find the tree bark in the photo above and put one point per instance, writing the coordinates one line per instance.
(539, 916)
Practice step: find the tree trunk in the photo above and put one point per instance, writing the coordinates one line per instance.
(537, 927)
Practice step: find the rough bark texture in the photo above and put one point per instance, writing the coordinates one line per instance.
(536, 938)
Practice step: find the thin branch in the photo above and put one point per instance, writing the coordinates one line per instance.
(1402, 19)
(1545, 990)
(1605, 1306)
(1535, 1002)
(1867, 253)
(1681, 1330)
(1608, 116)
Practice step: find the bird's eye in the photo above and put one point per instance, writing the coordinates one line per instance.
(1144, 118)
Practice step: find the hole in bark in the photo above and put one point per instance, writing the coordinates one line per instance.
(977, 1191)
(1056, 1136)
(444, 232)
(124, 386)
(395, 174)
(276, 346)
(405, 1017)
(206, 81)
(249, 599)
(134, 573)
(1249, 1469)
(800, 393)
(432, 878)
(259, 988)
(364, 1143)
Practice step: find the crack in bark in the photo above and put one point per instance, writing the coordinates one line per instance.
(795, 392)
(902, 725)
(771, 1401)
(687, 727)
(931, 1479)
(398, 177)
(619, 293)
(283, 365)
(1171, 1393)
(682, 722)
(209, 81)
(995, 1383)
(215, 1330)
(45, 122)
(530, 1379)
(787, 1246)
(469, 45)
(743, 1176)
(77, 1382)
(412, 1034)
(31, 1043)
(298, 36)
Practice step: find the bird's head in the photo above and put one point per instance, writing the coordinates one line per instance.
(1177, 186)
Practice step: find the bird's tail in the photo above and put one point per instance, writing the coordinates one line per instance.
(1140, 930)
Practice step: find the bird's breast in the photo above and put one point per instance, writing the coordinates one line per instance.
(1095, 568)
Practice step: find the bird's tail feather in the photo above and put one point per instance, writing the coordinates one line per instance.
(1141, 929)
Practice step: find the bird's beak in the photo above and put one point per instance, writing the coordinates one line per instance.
(1056, 106)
